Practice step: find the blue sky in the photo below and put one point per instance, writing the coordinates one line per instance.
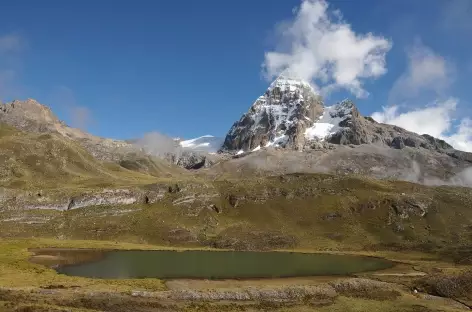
(188, 68)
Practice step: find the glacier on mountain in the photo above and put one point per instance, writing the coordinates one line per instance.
(206, 143)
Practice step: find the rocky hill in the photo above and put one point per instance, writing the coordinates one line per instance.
(33, 117)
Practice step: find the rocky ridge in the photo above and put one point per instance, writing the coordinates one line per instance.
(31, 116)
(291, 115)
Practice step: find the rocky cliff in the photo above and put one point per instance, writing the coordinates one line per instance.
(277, 118)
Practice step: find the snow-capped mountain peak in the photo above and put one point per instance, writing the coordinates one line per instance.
(275, 118)
(286, 83)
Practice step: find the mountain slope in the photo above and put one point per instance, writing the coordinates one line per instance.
(50, 160)
(337, 139)
(32, 117)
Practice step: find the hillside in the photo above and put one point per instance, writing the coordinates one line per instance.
(297, 210)
(49, 160)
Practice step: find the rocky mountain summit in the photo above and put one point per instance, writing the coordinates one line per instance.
(292, 115)
(277, 118)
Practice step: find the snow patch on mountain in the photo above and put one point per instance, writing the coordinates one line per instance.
(206, 143)
(329, 123)
(289, 84)
(277, 118)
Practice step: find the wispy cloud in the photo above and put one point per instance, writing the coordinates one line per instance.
(11, 45)
(457, 15)
(426, 72)
(317, 45)
(79, 116)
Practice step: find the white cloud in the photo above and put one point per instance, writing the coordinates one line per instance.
(158, 144)
(427, 75)
(437, 120)
(462, 138)
(318, 46)
(427, 72)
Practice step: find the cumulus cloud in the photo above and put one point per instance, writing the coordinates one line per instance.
(436, 120)
(318, 46)
(433, 120)
(426, 72)
(427, 79)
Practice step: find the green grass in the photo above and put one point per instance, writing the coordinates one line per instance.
(17, 271)
(311, 211)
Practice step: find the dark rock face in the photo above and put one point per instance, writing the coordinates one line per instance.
(460, 155)
(398, 143)
(437, 144)
(279, 117)
(193, 160)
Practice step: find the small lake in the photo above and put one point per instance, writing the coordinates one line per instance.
(121, 264)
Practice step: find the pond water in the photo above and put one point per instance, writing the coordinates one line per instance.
(120, 264)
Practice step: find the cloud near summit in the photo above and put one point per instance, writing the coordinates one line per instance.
(319, 47)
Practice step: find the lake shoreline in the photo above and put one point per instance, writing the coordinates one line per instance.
(43, 286)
